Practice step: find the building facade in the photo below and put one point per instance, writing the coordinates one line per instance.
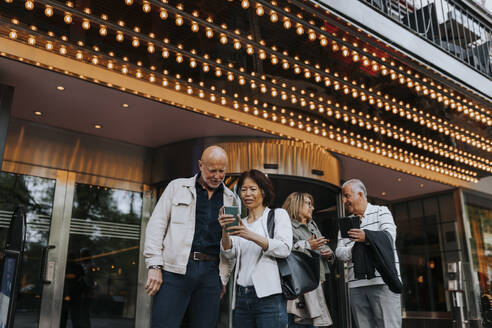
(102, 103)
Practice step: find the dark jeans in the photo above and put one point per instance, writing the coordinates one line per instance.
(254, 312)
(199, 288)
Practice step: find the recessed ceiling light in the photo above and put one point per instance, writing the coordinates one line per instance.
(38, 113)
(399, 179)
(421, 185)
(383, 193)
(97, 126)
(124, 105)
(60, 88)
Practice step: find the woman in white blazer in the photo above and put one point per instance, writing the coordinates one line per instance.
(258, 300)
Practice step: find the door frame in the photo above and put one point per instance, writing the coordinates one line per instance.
(52, 294)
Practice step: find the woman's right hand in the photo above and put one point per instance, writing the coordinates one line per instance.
(224, 220)
(317, 243)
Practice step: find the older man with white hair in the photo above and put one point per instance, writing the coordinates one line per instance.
(373, 300)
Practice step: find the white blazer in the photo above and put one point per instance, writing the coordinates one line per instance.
(265, 277)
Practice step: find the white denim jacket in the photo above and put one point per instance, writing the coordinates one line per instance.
(266, 278)
(171, 228)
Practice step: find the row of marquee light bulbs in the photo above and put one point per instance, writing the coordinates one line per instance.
(355, 120)
(146, 6)
(359, 142)
(435, 91)
(345, 51)
(426, 121)
(352, 119)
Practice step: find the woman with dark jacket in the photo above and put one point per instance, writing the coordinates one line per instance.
(310, 310)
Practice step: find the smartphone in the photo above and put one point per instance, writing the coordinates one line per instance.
(234, 211)
(347, 223)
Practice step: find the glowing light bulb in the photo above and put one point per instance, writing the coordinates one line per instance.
(48, 11)
(163, 14)
(179, 20)
(146, 7)
(260, 10)
(119, 37)
(223, 39)
(273, 17)
(195, 27)
(209, 33)
(135, 42)
(103, 31)
(86, 24)
(245, 4)
(287, 23)
(299, 30)
(150, 48)
(67, 18)
(13, 34)
(29, 5)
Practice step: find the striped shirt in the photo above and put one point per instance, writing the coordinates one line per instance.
(375, 218)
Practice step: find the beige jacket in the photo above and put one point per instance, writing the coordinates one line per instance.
(171, 228)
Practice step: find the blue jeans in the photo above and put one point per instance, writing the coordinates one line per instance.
(199, 289)
(254, 312)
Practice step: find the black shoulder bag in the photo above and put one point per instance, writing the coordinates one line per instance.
(299, 272)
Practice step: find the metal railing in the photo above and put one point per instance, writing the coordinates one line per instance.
(448, 24)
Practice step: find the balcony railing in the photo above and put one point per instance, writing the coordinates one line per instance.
(448, 24)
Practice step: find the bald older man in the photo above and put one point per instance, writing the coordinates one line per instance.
(182, 246)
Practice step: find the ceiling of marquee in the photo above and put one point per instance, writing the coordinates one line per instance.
(148, 123)
(328, 78)
(121, 116)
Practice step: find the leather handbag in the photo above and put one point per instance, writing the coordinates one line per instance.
(299, 272)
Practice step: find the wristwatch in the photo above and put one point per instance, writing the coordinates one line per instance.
(155, 267)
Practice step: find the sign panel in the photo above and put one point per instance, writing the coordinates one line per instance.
(7, 288)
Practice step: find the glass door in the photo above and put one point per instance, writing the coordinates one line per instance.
(36, 196)
(100, 281)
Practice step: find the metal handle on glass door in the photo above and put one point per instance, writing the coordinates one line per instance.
(44, 260)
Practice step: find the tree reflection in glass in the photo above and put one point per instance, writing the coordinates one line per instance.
(36, 195)
(101, 276)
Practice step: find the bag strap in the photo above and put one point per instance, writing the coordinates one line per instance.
(271, 223)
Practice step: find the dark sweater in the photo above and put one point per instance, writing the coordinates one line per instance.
(376, 254)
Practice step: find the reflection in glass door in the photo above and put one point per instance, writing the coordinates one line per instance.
(102, 264)
(36, 195)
